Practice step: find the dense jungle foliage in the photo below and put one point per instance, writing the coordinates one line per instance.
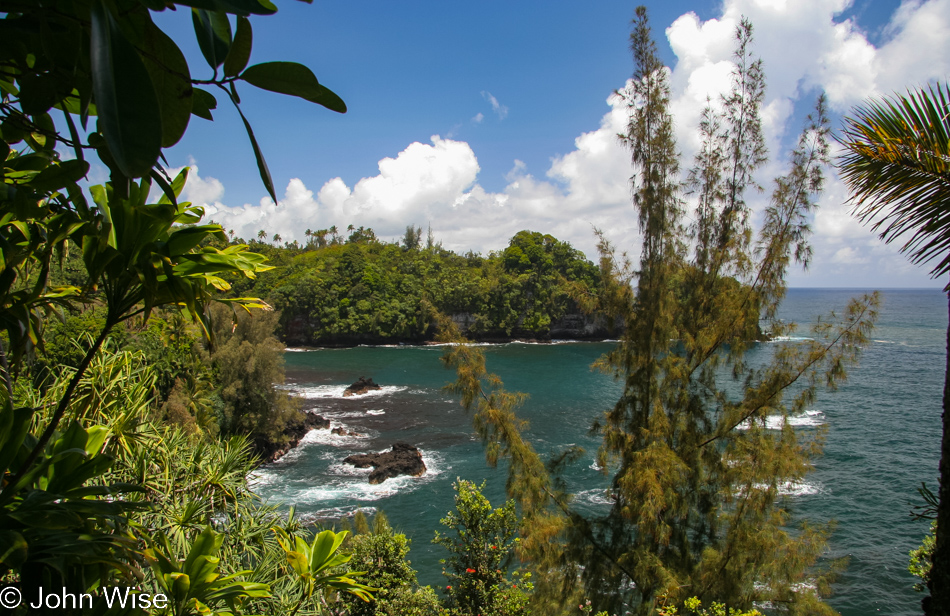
(333, 290)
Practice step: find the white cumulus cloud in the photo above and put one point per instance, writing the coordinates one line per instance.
(805, 49)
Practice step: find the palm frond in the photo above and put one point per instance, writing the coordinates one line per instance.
(897, 165)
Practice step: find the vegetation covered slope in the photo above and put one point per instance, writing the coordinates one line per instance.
(361, 290)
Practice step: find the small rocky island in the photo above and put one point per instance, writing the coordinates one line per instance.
(403, 459)
(360, 387)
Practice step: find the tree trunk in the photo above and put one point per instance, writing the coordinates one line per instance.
(938, 604)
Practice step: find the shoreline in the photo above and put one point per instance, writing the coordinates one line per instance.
(431, 343)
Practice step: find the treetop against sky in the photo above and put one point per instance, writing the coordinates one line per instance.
(490, 118)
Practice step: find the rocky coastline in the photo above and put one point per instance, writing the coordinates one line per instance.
(402, 459)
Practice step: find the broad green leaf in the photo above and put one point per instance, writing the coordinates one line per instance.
(12, 131)
(202, 103)
(129, 115)
(58, 176)
(261, 163)
(240, 51)
(38, 93)
(213, 31)
(299, 563)
(328, 99)
(293, 79)
(206, 544)
(74, 105)
(184, 239)
(235, 7)
(178, 184)
(170, 76)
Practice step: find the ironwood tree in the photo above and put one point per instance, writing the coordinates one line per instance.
(697, 471)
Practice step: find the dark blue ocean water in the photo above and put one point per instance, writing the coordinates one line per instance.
(882, 440)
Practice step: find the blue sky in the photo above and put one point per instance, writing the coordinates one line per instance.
(482, 119)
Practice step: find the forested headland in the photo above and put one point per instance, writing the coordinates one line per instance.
(356, 289)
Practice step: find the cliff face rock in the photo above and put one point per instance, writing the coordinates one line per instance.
(360, 387)
(576, 326)
(403, 459)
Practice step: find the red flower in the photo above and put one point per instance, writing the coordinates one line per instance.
(448, 588)
(469, 571)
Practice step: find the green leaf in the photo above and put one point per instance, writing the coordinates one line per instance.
(213, 31)
(202, 103)
(235, 7)
(328, 99)
(129, 115)
(13, 548)
(175, 188)
(293, 79)
(168, 70)
(58, 176)
(74, 105)
(167, 195)
(240, 51)
(38, 93)
(261, 163)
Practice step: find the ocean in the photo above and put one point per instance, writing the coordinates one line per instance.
(882, 438)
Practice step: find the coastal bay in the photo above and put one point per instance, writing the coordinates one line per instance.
(881, 430)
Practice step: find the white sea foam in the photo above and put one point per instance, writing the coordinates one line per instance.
(319, 392)
(596, 497)
(336, 513)
(808, 419)
(299, 350)
(375, 412)
(802, 488)
(345, 485)
(348, 470)
(792, 488)
(790, 339)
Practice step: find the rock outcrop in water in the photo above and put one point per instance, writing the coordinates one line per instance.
(344, 432)
(403, 459)
(297, 428)
(360, 387)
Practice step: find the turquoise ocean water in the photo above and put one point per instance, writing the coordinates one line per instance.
(883, 435)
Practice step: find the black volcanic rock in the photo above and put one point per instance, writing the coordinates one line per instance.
(296, 429)
(344, 432)
(403, 459)
(361, 386)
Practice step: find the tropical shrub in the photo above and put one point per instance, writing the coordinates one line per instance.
(481, 543)
(383, 555)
